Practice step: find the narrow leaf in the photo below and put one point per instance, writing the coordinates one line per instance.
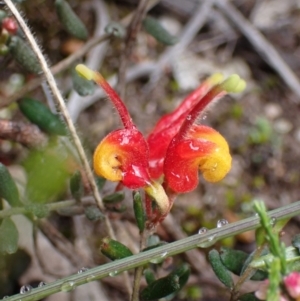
(8, 188)
(9, 237)
(220, 270)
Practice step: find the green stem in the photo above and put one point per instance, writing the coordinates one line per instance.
(142, 258)
(138, 273)
(50, 207)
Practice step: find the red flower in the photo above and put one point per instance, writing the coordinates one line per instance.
(177, 147)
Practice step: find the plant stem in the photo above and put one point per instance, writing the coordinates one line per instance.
(50, 207)
(64, 111)
(142, 258)
(138, 273)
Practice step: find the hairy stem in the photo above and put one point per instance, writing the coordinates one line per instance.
(60, 101)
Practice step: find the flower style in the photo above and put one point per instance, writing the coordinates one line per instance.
(176, 148)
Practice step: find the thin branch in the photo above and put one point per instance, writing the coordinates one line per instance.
(261, 44)
(49, 207)
(142, 258)
(27, 134)
(132, 32)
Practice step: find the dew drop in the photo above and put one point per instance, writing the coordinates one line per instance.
(42, 283)
(202, 230)
(5, 297)
(222, 222)
(188, 117)
(113, 274)
(90, 278)
(67, 286)
(273, 221)
(25, 289)
(82, 270)
(204, 117)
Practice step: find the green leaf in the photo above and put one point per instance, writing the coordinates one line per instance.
(233, 260)
(114, 198)
(76, 185)
(139, 212)
(100, 182)
(93, 213)
(220, 270)
(23, 54)
(113, 249)
(8, 188)
(154, 28)
(70, 20)
(9, 236)
(168, 285)
(47, 174)
(149, 276)
(81, 85)
(40, 115)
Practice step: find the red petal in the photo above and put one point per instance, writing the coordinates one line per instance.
(123, 156)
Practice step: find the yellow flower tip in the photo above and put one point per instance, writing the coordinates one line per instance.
(157, 192)
(85, 72)
(234, 84)
(215, 79)
(216, 166)
(106, 163)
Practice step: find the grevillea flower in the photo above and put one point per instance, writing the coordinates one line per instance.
(197, 147)
(177, 147)
(168, 126)
(123, 155)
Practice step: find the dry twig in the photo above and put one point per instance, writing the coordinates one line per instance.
(27, 134)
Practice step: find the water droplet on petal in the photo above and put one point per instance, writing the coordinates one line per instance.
(67, 286)
(202, 230)
(82, 270)
(113, 274)
(204, 117)
(90, 278)
(42, 283)
(188, 117)
(273, 221)
(25, 289)
(222, 222)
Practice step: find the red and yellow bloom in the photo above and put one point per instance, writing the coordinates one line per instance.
(177, 148)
